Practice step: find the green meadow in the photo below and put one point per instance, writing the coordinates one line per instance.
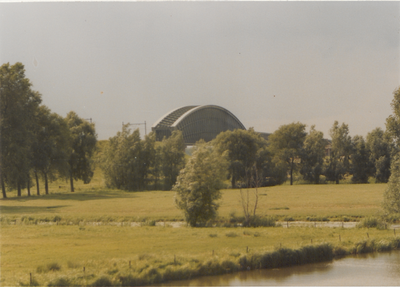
(52, 237)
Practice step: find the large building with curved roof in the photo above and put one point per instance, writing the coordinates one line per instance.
(196, 122)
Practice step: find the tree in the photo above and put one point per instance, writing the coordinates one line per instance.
(241, 147)
(286, 144)
(199, 183)
(127, 160)
(378, 145)
(313, 156)
(391, 197)
(360, 163)
(172, 157)
(337, 165)
(393, 121)
(83, 143)
(50, 148)
(17, 114)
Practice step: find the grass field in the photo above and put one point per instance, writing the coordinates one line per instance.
(29, 247)
(94, 202)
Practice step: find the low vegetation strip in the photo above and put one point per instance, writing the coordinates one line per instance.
(150, 270)
(151, 254)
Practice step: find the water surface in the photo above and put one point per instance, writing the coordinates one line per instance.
(377, 269)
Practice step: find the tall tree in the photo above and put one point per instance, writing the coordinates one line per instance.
(241, 147)
(287, 145)
(83, 143)
(313, 156)
(127, 160)
(338, 164)
(18, 106)
(50, 148)
(199, 183)
(172, 159)
(393, 121)
(391, 197)
(360, 161)
(378, 145)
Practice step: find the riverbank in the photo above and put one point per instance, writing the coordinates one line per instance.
(82, 255)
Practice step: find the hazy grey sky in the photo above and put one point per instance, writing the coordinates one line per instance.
(269, 63)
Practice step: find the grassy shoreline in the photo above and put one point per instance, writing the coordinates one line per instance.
(153, 254)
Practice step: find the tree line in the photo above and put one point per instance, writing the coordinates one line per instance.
(37, 143)
(131, 163)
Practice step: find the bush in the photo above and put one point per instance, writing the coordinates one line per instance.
(370, 222)
(49, 267)
(231, 234)
(53, 266)
(61, 281)
(213, 235)
(103, 281)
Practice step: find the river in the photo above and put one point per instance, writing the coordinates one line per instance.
(377, 269)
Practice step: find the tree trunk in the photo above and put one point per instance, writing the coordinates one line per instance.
(28, 186)
(19, 189)
(3, 188)
(46, 184)
(72, 182)
(233, 181)
(291, 173)
(37, 184)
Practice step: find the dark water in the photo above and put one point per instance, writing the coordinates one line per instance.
(378, 269)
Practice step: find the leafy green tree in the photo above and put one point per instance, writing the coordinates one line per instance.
(391, 197)
(83, 144)
(338, 164)
(379, 147)
(50, 148)
(287, 144)
(360, 161)
(127, 160)
(172, 157)
(241, 147)
(313, 156)
(18, 105)
(393, 121)
(199, 183)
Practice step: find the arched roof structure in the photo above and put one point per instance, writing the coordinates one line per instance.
(197, 122)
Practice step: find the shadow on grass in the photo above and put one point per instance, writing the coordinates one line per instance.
(29, 209)
(79, 196)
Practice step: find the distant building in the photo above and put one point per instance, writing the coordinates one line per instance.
(197, 122)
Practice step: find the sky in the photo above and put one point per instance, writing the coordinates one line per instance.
(269, 63)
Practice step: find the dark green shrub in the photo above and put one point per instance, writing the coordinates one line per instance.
(231, 234)
(339, 252)
(56, 218)
(54, 266)
(103, 281)
(61, 281)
